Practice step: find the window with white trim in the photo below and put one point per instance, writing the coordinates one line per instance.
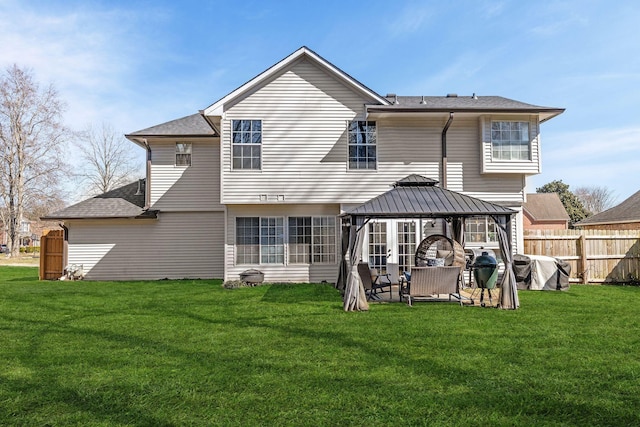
(362, 145)
(259, 240)
(183, 154)
(312, 240)
(246, 143)
(480, 230)
(510, 140)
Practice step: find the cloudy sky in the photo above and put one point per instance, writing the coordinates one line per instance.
(134, 64)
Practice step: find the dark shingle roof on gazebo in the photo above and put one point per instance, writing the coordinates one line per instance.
(416, 196)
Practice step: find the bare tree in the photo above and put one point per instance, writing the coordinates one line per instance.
(32, 138)
(595, 199)
(108, 158)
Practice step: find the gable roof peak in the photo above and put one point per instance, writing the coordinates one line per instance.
(217, 108)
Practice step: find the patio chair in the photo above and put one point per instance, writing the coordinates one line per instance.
(431, 282)
(393, 277)
(371, 282)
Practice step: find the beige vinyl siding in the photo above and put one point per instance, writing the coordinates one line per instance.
(185, 188)
(295, 273)
(524, 167)
(175, 246)
(304, 114)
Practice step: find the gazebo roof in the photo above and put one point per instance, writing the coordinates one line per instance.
(419, 197)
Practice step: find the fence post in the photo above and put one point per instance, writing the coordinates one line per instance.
(583, 258)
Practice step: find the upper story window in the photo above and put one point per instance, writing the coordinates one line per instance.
(183, 154)
(362, 145)
(246, 143)
(510, 140)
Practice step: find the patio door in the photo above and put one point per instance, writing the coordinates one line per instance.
(391, 241)
(406, 244)
(377, 247)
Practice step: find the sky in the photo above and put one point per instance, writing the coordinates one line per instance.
(134, 64)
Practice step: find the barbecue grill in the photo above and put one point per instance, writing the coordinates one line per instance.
(485, 273)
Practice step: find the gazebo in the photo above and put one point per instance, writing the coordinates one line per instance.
(419, 197)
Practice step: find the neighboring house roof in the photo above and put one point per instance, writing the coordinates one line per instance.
(416, 196)
(124, 202)
(545, 207)
(462, 104)
(217, 108)
(627, 211)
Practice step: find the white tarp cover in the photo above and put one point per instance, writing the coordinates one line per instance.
(544, 273)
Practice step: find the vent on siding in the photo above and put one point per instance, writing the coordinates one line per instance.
(140, 190)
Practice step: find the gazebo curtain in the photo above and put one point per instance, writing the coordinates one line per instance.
(355, 298)
(509, 292)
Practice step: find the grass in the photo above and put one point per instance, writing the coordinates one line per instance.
(172, 353)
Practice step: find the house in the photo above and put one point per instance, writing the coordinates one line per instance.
(625, 216)
(259, 178)
(544, 211)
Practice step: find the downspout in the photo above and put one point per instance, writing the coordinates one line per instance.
(443, 169)
(147, 187)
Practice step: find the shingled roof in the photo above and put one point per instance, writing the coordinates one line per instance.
(463, 104)
(418, 197)
(124, 202)
(193, 125)
(627, 211)
(545, 207)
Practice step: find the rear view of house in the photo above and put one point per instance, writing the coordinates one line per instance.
(259, 178)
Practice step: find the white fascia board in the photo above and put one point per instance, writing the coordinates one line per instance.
(217, 109)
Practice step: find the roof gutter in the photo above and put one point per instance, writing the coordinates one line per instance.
(443, 169)
(147, 187)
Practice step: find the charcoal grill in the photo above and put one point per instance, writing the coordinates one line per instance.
(485, 273)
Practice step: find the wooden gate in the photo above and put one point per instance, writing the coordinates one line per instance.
(51, 255)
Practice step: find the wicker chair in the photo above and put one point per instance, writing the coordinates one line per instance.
(439, 246)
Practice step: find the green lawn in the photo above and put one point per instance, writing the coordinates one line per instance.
(188, 352)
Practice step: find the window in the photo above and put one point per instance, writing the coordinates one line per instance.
(259, 240)
(183, 154)
(312, 240)
(271, 241)
(510, 140)
(362, 145)
(248, 240)
(480, 230)
(246, 142)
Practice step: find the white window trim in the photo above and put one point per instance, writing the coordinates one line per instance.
(529, 141)
(349, 169)
(231, 145)
(285, 226)
(176, 153)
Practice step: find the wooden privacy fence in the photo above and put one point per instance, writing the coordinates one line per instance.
(595, 256)
(51, 254)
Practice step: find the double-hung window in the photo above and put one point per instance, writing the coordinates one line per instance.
(183, 154)
(312, 240)
(362, 145)
(480, 230)
(259, 240)
(246, 142)
(510, 140)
